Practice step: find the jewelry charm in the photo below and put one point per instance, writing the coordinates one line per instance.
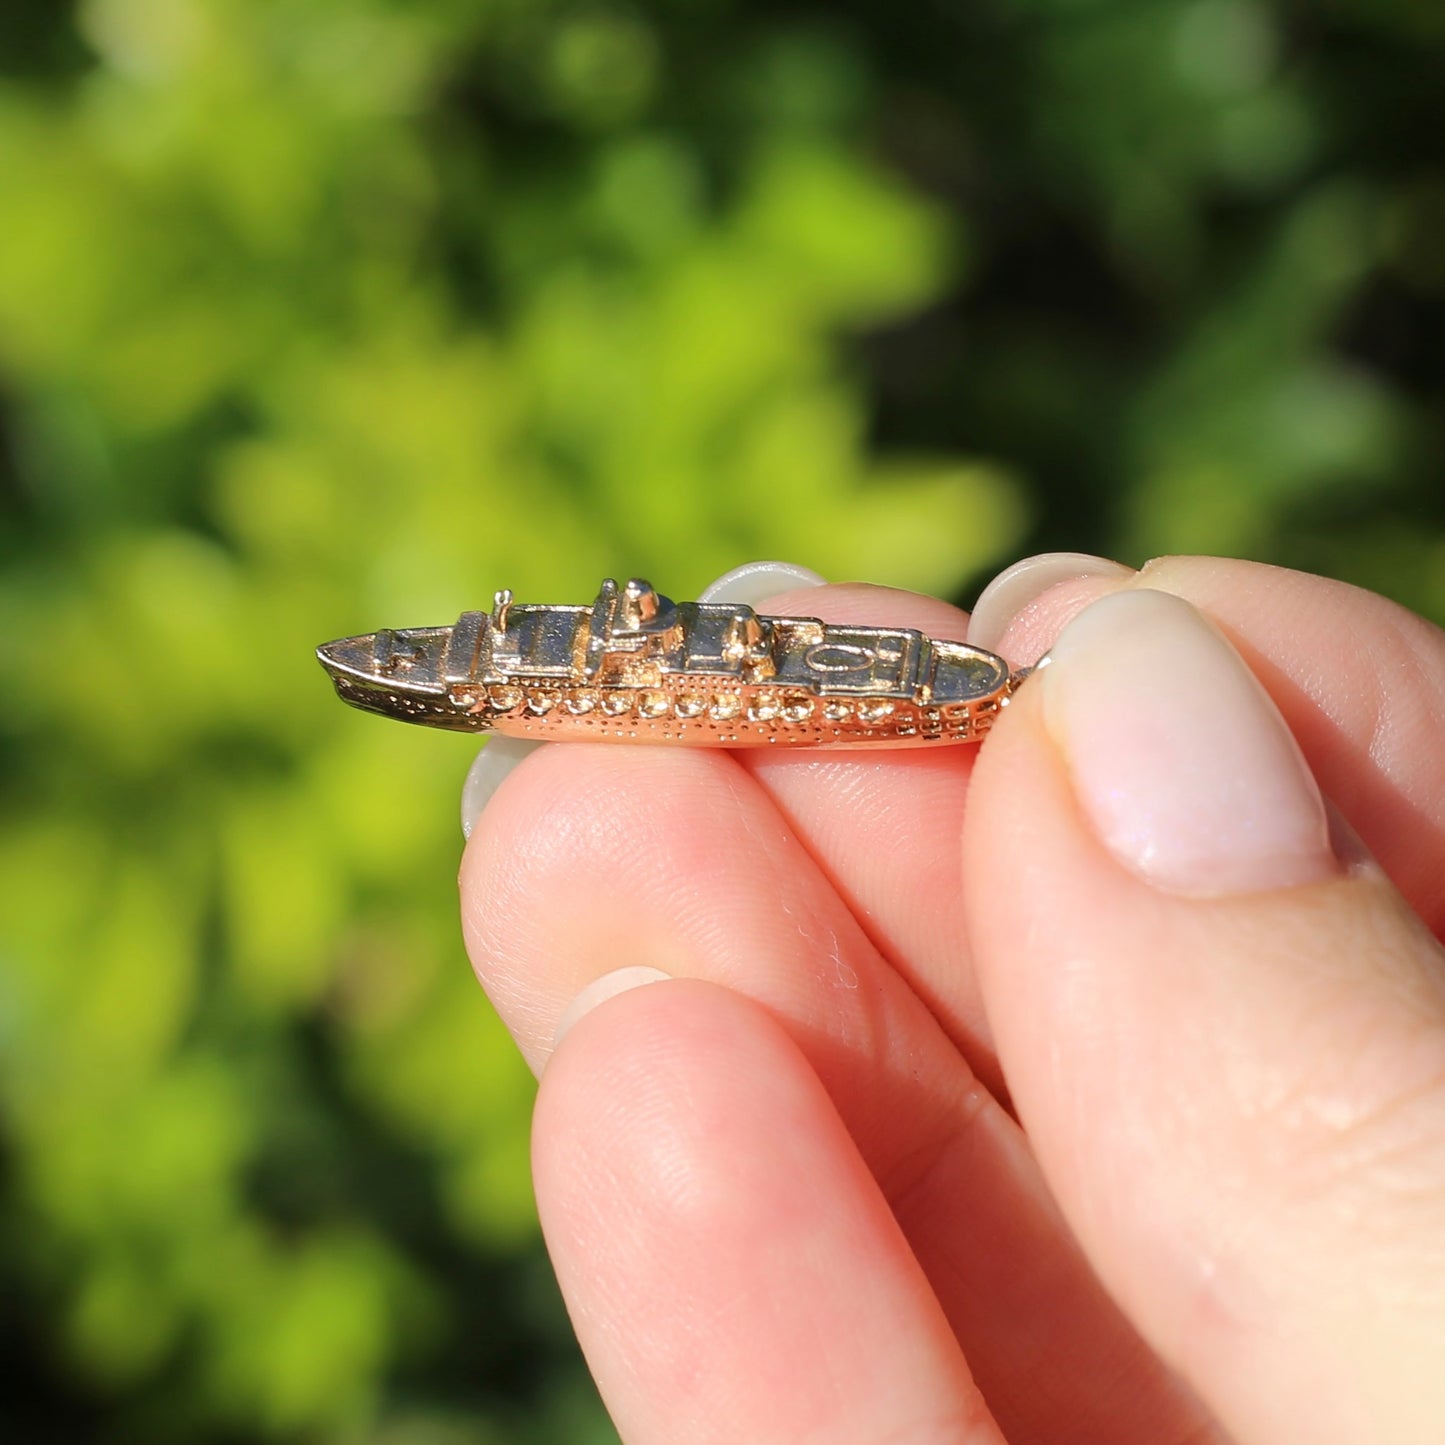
(637, 667)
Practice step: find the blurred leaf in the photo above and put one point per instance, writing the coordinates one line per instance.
(318, 316)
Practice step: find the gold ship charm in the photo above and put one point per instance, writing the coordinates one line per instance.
(636, 667)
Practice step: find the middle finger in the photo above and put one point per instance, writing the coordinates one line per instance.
(595, 857)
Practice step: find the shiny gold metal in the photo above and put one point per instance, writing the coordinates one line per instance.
(637, 667)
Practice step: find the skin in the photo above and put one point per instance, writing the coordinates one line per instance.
(946, 1124)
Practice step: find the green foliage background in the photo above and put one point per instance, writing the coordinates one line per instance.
(317, 315)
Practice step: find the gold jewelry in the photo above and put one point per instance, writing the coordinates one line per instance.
(636, 667)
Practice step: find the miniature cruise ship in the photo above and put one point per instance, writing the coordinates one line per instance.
(637, 667)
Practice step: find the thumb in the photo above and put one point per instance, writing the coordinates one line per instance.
(1225, 1037)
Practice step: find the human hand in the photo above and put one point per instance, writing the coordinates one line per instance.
(801, 1206)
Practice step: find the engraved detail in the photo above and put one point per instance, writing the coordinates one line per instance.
(841, 657)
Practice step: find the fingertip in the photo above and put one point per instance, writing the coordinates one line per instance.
(1177, 756)
(489, 770)
(730, 1264)
(1022, 609)
(596, 993)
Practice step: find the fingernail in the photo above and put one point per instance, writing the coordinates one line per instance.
(499, 755)
(1016, 588)
(1179, 758)
(755, 582)
(602, 989)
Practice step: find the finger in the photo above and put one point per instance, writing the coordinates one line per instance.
(884, 827)
(592, 858)
(731, 1267)
(1000, 617)
(499, 755)
(1360, 682)
(1228, 1047)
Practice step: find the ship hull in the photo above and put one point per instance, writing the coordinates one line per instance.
(637, 668)
(749, 717)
